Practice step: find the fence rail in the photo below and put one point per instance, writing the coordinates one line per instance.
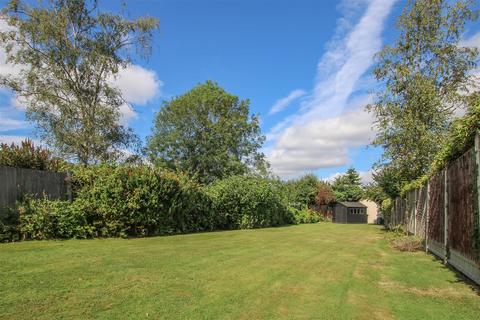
(445, 213)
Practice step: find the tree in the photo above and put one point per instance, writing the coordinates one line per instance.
(67, 50)
(325, 194)
(303, 191)
(26, 155)
(388, 179)
(425, 77)
(207, 133)
(348, 187)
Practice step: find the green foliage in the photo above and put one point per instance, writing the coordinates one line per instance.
(112, 201)
(461, 135)
(244, 202)
(306, 215)
(125, 200)
(388, 179)
(9, 225)
(348, 187)
(46, 219)
(375, 193)
(208, 134)
(302, 192)
(386, 206)
(67, 52)
(28, 156)
(139, 200)
(425, 76)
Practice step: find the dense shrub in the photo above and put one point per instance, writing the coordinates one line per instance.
(306, 215)
(303, 191)
(140, 200)
(45, 219)
(8, 225)
(123, 200)
(243, 202)
(28, 156)
(114, 201)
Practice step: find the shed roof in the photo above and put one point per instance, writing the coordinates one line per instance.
(352, 204)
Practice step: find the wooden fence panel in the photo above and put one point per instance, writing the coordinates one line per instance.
(436, 221)
(461, 206)
(15, 182)
(421, 211)
(445, 213)
(410, 207)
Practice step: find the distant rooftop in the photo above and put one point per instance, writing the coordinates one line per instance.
(352, 204)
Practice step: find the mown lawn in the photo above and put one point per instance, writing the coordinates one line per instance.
(322, 271)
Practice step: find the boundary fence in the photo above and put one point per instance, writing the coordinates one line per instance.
(445, 213)
(14, 182)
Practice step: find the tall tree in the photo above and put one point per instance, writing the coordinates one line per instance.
(425, 77)
(348, 187)
(302, 192)
(67, 51)
(207, 133)
(325, 194)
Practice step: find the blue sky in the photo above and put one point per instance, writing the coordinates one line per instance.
(305, 66)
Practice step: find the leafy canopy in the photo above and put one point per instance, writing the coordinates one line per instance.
(66, 51)
(207, 133)
(348, 187)
(425, 77)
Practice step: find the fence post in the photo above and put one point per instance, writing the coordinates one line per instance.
(69, 186)
(477, 164)
(415, 191)
(427, 207)
(445, 213)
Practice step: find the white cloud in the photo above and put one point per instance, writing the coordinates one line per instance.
(319, 144)
(137, 84)
(473, 41)
(366, 177)
(282, 103)
(332, 118)
(127, 114)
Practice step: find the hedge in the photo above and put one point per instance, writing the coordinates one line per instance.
(121, 201)
(243, 202)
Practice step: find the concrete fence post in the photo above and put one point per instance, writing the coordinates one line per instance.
(427, 207)
(415, 195)
(445, 213)
(477, 165)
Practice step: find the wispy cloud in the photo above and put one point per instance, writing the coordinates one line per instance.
(17, 139)
(10, 120)
(284, 102)
(332, 119)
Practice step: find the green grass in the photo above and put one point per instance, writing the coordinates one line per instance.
(321, 271)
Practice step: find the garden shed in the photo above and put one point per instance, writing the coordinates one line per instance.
(350, 212)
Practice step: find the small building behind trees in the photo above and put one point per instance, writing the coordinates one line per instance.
(350, 212)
